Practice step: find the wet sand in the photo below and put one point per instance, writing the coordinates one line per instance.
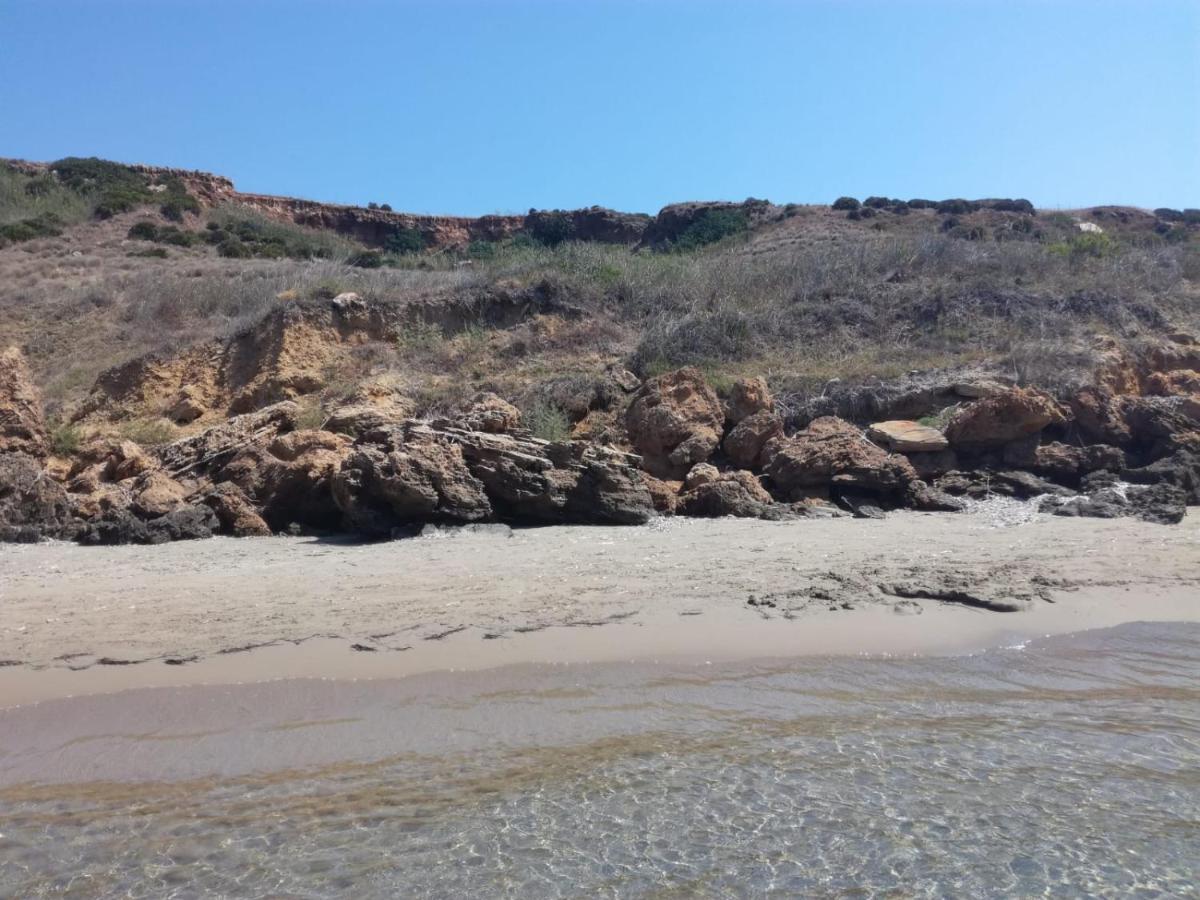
(235, 610)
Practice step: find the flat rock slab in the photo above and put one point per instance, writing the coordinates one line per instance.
(904, 436)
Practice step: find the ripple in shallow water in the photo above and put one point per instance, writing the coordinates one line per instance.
(1069, 768)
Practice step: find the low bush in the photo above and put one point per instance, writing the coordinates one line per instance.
(65, 439)
(551, 228)
(368, 259)
(481, 250)
(710, 226)
(404, 241)
(1169, 215)
(547, 421)
(956, 207)
(877, 202)
(143, 231)
(45, 225)
(845, 204)
(270, 239)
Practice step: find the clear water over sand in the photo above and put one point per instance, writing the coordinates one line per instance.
(1068, 766)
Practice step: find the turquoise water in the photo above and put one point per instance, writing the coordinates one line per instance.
(1067, 767)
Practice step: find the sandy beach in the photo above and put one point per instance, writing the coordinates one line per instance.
(256, 609)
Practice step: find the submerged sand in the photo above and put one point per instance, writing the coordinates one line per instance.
(914, 582)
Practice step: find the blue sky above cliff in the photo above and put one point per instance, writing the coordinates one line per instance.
(476, 107)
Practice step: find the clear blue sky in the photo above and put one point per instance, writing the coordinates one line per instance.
(475, 107)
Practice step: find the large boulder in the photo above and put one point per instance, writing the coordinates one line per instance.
(833, 453)
(32, 505)
(22, 425)
(1163, 504)
(489, 412)
(211, 449)
(906, 436)
(236, 515)
(527, 479)
(747, 397)
(994, 421)
(729, 494)
(407, 474)
(744, 443)
(289, 478)
(189, 521)
(675, 421)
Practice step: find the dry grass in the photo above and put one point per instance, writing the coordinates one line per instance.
(834, 300)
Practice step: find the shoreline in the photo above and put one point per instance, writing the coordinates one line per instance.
(95, 620)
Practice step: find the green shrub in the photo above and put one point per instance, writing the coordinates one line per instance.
(1083, 246)
(233, 248)
(269, 238)
(368, 259)
(144, 231)
(710, 226)
(551, 228)
(404, 241)
(877, 202)
(150, 253)
(956, 207)
(547, 421)
(65, 439)
(45, 225)
(418, 337)
(845, 204)
(481, 250)
(918, 203)
(177, 204)
(148, 432)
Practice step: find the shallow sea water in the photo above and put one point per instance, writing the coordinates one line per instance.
(1066, 767)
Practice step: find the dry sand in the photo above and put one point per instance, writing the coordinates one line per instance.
(76, 620)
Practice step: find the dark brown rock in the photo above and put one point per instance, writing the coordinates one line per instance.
(675, 421)
(744, 444)
(832, 452)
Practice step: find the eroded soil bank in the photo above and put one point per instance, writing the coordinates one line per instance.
(80, 620)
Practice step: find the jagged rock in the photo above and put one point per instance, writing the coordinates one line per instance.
(932, 465)
(732, 494)
(744, 444)
(980, 485)
(22, 425)
(921, 496)
(215, 446)
(488, 412)
(187, 406)
(375, 404)
(675, 421)
(408, 473)
(747, 397)
(1098, 457)
(832, 452)
(156, 494)
(32, 505)
(623, 378)
(1174, 383)
(663, 494)
(975, 390)
(1181, 470)
(1003, 418)
(289, 478)
(120, 526)
(1056, 459)
(574, 481)
(701, 473)
(1099, 417)
(906, 436)
(1160, 503)
(236, 515)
